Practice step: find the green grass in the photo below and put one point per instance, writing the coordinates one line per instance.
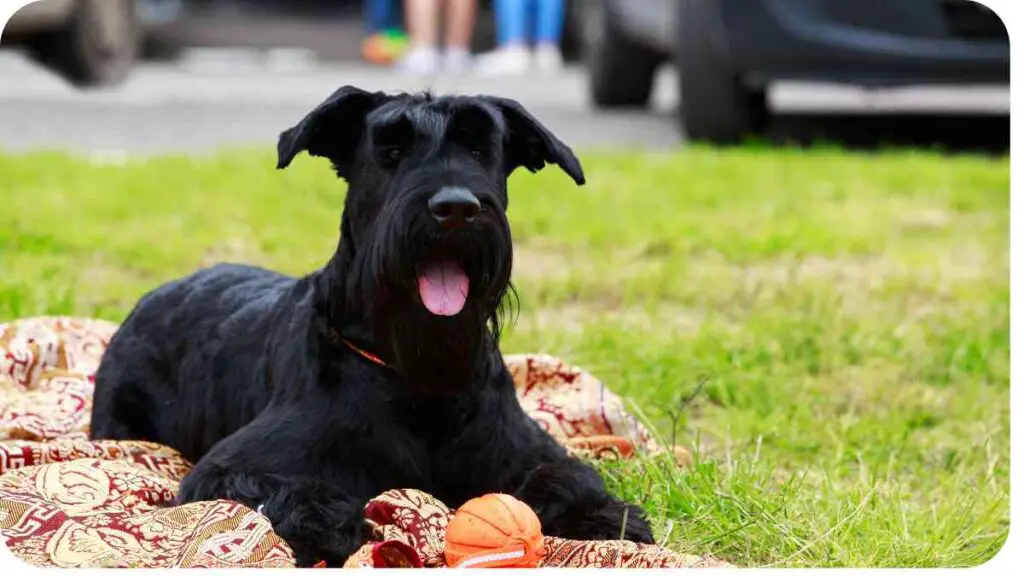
(846, 314)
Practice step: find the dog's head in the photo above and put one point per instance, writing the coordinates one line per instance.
(426, 247)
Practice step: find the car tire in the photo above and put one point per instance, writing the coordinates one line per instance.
(572, 43)
(96, 47)
(620, 70)
(716, 106)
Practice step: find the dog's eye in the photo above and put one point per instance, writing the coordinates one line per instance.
(391, 156)
(477, 153)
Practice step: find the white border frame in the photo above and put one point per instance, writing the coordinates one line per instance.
(1012, 553)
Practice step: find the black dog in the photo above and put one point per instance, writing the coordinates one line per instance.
(381, 370)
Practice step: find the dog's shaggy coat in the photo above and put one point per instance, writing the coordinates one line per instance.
(257, 376)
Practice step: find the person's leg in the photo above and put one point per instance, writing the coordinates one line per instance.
(460, 17)
(421, 19)
(459, 20)
(530, 22)
(510, 21)
(375, 12)
(391, 16)
(550, 20)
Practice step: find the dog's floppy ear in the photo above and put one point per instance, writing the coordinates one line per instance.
(529, 144)
(332, 129)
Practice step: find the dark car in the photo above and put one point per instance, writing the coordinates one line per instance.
(727, 52)
(88, 42)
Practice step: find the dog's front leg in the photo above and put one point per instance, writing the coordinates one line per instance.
(316, 521)
(571, 501)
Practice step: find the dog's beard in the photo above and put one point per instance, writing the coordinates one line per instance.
(437, 355)
(438, 306)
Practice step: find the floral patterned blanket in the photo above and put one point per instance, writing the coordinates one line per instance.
(71, 502)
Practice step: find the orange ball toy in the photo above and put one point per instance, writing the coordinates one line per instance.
(494, 531)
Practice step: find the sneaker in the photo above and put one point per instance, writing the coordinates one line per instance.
(548, 59)
(508, 61)
(419, 61)
(456, 60)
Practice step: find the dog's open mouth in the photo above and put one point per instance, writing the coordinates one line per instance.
(444, 287)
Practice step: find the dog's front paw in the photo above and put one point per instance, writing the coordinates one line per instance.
(619, 521)
(329, 532)
(314, 544)
(612, 521)
(638, 529)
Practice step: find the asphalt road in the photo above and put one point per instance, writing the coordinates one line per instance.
(216, 99)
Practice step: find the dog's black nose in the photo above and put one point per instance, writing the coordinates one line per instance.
(454, 206)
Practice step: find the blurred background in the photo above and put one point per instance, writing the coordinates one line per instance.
(821, 316)
(142, 75)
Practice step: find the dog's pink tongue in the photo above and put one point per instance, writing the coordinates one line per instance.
(443, 288)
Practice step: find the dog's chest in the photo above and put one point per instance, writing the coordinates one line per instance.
(433, 422)
(448, 441)
(436, 429)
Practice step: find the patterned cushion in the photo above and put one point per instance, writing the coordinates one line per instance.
(71, 502)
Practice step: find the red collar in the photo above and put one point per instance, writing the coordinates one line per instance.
(335, 338)
(369, 356)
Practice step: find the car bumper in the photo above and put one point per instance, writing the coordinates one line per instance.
(867, 42)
